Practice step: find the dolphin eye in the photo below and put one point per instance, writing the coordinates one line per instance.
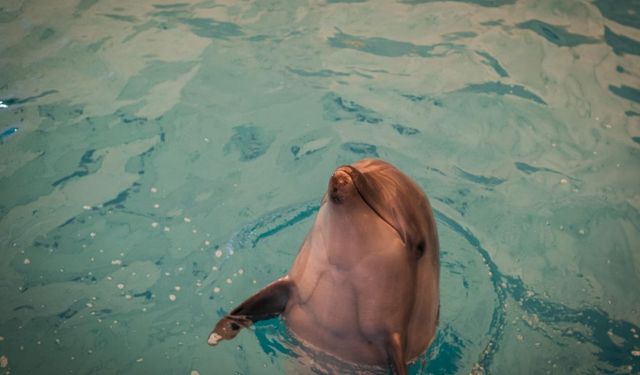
(420, 248)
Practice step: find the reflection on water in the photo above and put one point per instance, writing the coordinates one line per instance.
(161, 161)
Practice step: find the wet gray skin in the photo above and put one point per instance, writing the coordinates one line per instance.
(365, 284)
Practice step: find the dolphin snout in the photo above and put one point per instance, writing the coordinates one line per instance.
(340, 178)
(339, 185)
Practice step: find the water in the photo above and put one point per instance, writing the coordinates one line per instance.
(160, 162)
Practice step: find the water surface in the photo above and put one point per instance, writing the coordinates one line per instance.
(161, 161)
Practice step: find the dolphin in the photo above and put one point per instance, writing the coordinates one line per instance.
(364, 286)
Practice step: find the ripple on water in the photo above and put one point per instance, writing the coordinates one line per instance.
(472, 326)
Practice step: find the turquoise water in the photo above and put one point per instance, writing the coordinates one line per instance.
(160, 162)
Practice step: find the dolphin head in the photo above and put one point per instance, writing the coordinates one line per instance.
(375, 185)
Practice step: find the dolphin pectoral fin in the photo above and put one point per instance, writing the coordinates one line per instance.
(270, 301)
(396, 353)
(227, 328)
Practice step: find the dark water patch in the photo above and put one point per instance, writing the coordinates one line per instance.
(436, 170)
(451, 203)
(557, 35)
(414, 98)
(154, 73)
(493, 62)
(251, 141)
(120, 17)
(362, 149)
(46, 245)
(405, 130)
(209, 28)
(526, 168)
(84, 5)
(530, 169)
(484, 3)
(172, 16)
(482, 180)
(502, 89)
(458, 201)
(67, 314)
(170, 6)
(119, 199)
(87, 157)
(493, 23)
(390, 48)
(147, 295)
(636, 139)
(17, 101)
(7, 16)
(626, 92)
(97, 45)
(337, 108)
(60, 111)
(624, 12)
(309, 146)
(68, 222)
(139, 28)
(85, 166)
(86, 279)
(198, 271)
(102, 313)
(621, 44)
(73, 175)
(129, 118)
(450, 348)
(632, 114)
(459, 35)
(47, 33)
(320, 73)
(259, 38)
(7, 133)
(23, 307)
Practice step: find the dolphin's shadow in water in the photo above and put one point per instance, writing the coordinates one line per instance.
(445, 354)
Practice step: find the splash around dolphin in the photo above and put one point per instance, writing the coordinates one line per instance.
(364, 286)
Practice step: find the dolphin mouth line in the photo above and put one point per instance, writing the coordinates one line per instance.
(356, 176)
